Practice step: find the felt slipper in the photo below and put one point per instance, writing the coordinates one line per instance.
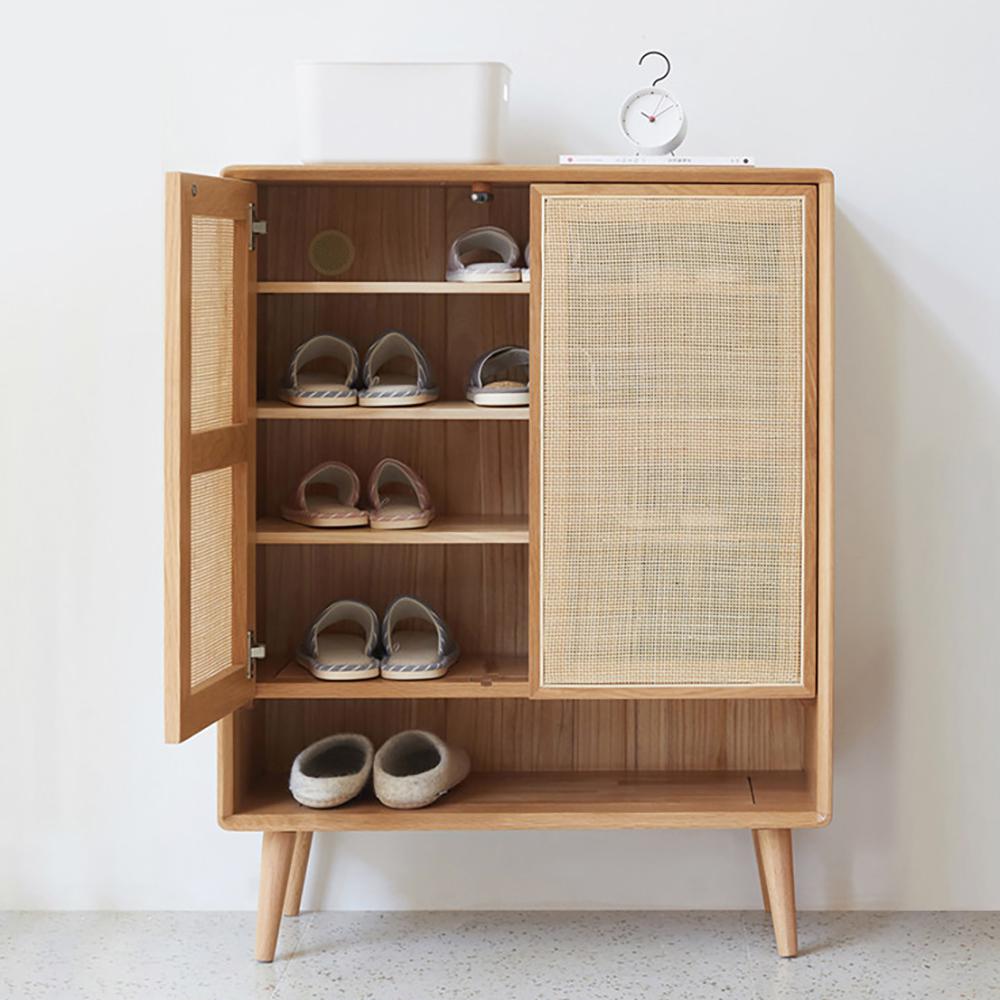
(396, 373)
(485, 240)
(331, 771)
(323, 372)
(399, 498)
(415, 768)
(326, 497)
(341, 656)
(411, 655)
(500, 378)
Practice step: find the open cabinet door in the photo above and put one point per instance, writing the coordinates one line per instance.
(209, 450)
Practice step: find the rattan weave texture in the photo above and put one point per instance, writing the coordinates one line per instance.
(672, 440)
(211, 323)
(211, 520)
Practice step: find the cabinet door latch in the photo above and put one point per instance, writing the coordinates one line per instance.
(255, 651)
(258, 227)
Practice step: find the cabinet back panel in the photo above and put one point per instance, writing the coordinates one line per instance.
(480, 591)
(521, 735)
(452, 331)
(398, 232)
(473, 467)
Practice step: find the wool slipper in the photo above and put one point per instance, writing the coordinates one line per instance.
(331, 771)
(415, 768)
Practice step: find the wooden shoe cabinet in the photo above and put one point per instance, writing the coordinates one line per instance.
(638, 568)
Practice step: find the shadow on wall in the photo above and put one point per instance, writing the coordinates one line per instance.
(917, 496)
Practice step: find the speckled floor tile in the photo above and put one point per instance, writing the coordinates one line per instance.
(882, 956)
(481, 956)
(153, 956)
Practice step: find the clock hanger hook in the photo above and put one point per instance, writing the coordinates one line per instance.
(666, 73)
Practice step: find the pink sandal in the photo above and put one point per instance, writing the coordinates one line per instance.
(327, 497)
(399, 497)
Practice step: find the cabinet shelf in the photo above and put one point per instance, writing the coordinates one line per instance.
(393, 288)
(557, 800)
(473, 676)
(458, 530)
(447, 410)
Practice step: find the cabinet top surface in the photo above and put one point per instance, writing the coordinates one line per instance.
(510, 173)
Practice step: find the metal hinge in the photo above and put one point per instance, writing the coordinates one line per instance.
(255, 651)
(258, 227)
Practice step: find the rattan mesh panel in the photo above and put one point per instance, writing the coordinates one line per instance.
(672, 440)
(211, 574)
(211, 323)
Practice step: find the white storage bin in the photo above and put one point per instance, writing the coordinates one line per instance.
(402, 112)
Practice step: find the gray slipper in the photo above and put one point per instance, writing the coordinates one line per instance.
(331, 771)
(415, 768)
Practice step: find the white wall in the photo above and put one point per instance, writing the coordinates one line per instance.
(896, 97)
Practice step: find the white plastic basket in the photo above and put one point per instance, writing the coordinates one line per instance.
(402, 112)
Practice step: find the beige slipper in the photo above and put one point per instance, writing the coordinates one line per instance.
(331, 771)
(323, 372)
(415, 768)
(327, 497)
(399, 498)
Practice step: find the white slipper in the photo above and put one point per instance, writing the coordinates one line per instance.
(411, 386)
(331, 771)
(332, 378)
(485, 239)
(411, 655)
(415, 768)
(500, 378)
(341, 656)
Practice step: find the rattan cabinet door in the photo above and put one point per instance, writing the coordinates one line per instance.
(673, 440)
(209, 448)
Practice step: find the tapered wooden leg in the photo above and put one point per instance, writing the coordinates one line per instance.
(297, 875)
(760, 871)
(776, 859)
(275, 862)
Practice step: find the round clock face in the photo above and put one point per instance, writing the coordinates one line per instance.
(653, 120)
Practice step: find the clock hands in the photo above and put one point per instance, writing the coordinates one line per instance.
(656, 110)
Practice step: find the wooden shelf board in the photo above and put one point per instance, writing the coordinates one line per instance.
(473, 676)
(557, 800)
(459, 530)
(447, 410)
(393, 288)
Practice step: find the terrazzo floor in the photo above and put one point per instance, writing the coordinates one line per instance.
(534, 956)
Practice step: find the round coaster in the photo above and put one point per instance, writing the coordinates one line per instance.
(331, 252)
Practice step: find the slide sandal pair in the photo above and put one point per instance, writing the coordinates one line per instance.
(411, 770)
(500, 377)
(327, 371)
(486, 241)
(328, 495)
(395, 653)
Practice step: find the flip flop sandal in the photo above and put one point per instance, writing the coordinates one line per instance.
(412, 655)
(415, 768)
(484, 240)
(332, 377)
(331, 771)
(500, 377)
(341, 656)
(393, 508)
(410, 381)
(327, 497)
